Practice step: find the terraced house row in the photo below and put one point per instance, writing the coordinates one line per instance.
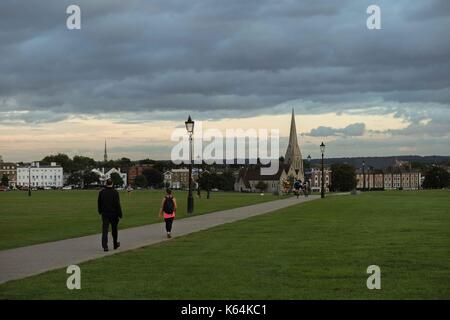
(406, 180)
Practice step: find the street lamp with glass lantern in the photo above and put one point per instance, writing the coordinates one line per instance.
(322, 191)
(190, 129)
(310, 169)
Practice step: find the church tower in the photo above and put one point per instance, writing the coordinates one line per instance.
(105, 156)
(293, 154)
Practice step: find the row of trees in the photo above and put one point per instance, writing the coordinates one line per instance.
(150, 177)
(436, 178)
(211, 180)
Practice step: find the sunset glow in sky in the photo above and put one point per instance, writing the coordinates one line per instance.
(137, 69)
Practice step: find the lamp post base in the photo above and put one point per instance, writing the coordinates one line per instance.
(190, 204)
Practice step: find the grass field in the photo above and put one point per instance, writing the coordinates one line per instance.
(55, 215)
(315, 250)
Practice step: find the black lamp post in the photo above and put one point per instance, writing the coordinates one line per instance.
(364, 175)
(190, 129)
(310, 170)
(29, 180)
(322, 189)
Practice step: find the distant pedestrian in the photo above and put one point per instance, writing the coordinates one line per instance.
(199, 192)
(297, 187)
(129, 189)
(168, 210)
(305, 189)
(110, 210)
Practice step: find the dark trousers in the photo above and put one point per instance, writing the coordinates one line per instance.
(107, 220)
(169, 222)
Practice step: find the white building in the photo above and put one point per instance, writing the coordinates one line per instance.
(315, 181)
(40, 175)
(104, 176)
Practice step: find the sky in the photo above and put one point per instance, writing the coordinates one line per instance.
(136, 69)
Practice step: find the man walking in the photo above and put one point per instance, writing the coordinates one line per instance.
(110, 210)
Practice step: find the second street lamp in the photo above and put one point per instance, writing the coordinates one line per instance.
(322, 189)
(364, 175)
(190, 129)
(29, 180)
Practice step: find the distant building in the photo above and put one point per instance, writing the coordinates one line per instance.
(167, 178)
(315, 180)
(409, 180)
(292, 168)
(179, 178)
(249, 178)
(137, 170)
(103, 176)
(40, 175)
(10, 170)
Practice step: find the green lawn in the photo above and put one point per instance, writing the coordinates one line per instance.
(315, 250)
(55, 215)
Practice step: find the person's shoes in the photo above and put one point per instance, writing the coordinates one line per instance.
(169, 236)
(106, 249)
(116, 245)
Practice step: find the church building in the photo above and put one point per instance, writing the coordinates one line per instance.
(250, 179)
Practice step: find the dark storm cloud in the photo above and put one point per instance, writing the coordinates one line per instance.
(218, 58)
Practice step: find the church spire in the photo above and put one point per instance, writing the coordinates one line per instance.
(293, 154)
(105, 156)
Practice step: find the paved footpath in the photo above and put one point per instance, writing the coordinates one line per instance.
(31, 260)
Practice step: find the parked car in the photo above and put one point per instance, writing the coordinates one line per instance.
(67, 188)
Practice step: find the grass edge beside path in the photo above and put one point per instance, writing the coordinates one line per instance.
(315, 250)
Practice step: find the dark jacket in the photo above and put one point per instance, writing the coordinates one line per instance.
(109, 202)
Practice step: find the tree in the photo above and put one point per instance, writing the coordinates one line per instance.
(124, 163)
(141, 181)
(206, 182)
(436, 178)
(160, 166)
(261, 186)
(81, 163)
(90, 177)
(5, 180)
(306, 164)
(154, 177)
(116, 179)
(228, 180)
(422, 167)
(222, 181)
(61, 159)
(343, 177)
(75, 178)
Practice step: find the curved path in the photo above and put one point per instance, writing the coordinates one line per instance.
(31, 260)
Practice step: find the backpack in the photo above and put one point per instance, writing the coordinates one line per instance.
(168, 205)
